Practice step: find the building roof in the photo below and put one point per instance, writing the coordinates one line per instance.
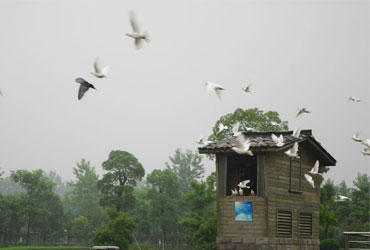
(262, 142)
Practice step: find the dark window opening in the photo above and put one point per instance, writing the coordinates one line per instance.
(240, 168)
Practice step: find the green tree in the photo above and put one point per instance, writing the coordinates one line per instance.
(39, 190)
(202, 201)
(163, 197)
(124, 170)
(80, 226)
(249, 118)
(84, 197)
(11, 216)
(119, 232)
(187, 166)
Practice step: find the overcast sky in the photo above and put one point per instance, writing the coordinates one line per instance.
(312, 54)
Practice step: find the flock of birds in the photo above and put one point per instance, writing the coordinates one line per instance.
(242, 145)
(101, 72)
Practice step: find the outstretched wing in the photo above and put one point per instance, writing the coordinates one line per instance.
(133, 21)
(82, 91)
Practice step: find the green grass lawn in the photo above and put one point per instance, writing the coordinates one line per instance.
(45, 248)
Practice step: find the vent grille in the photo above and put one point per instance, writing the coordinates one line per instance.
(284, 222)
(305, 224)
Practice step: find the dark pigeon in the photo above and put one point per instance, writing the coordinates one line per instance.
(83, 87)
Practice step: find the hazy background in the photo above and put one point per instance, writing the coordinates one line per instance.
(308, 53)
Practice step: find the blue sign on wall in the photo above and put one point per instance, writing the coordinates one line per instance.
(243, 211)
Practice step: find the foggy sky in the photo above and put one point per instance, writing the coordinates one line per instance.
(312, 54)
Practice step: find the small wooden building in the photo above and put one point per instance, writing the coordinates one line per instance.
(283, 210)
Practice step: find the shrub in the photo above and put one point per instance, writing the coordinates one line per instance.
(329, 244)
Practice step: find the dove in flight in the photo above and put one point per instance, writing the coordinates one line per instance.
(243, 184)
(296, 133)
(221, 127)
(247, 89)
(242, 145)
(99, 71)
(353, 99)
(309, 180)
(292, 152)
(235, 129)
(136, 34)
(302, 110)
(356, 137)
(343, 198)
(84, 86)
(211, 86)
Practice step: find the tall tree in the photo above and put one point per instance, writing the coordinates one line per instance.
(187, 166)
(124, 170)
(39, 191)
(163, 197)
(85, 196)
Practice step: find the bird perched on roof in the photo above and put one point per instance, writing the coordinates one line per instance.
(296, 133)
(235, 129)
(211, 86)
(309, 180)
(247, 89)
(315, 169)
(292, 152)
(302, 110)
(343, 198)
(221, 127)
(84, 86)
(279, 141)
(234, 192)
(99, 71)
(243, 184)
(136, 34)
(242, 145)
(353, 99)
(356, 137)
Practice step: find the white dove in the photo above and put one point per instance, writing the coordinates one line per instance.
(356, 137)
(343, 198)
(235, 129)
(247, 89)
(221, 127)
(203, 141)
(309, 180)
(302, 110)
(243, 184)
(240, 192)
(211, 86)
(296, 133)
(99, 71)
(315, 169)
(234, 192)
(139, 37)
(252, 193)
(353, 99)
(292, 152)
(279, 141)
(242, 145)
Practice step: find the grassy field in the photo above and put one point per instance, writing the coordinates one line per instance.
(45, 248)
